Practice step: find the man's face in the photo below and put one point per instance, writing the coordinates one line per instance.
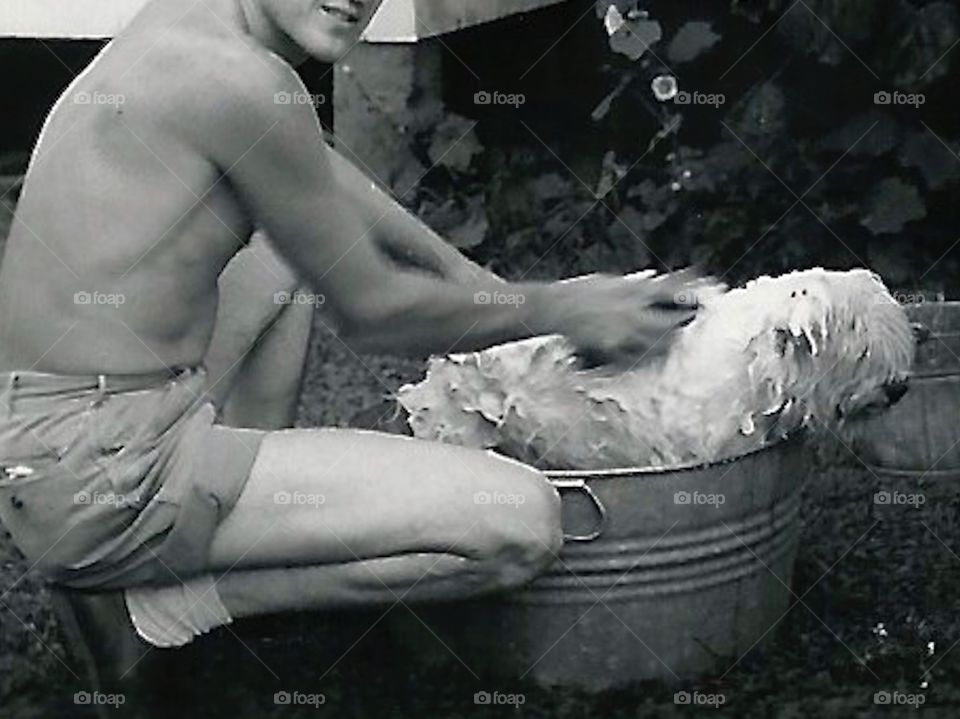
(324, 29)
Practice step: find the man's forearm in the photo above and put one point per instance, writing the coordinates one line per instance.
(398, 231)
(421, 315)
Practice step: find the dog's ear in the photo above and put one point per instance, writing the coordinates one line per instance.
(874, 402)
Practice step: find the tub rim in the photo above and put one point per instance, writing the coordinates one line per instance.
(686, 467)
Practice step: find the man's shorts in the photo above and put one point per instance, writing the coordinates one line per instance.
(109, 482)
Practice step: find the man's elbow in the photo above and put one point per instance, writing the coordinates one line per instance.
(365, 327)
(390, 332)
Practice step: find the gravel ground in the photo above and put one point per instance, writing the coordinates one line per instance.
(826, 658)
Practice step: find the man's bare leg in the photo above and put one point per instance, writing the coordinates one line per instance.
(266, 390)
(256, 357)
(374, 538)
(336, 518)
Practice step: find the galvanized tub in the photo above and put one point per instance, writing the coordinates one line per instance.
(919, 438)
(666, 574)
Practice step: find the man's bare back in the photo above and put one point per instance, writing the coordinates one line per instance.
(123, 227)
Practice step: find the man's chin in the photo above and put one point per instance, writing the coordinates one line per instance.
(329, 51)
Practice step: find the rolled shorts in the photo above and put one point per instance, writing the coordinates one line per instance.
(109, 482)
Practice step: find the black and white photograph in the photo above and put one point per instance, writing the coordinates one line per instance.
(454, 359)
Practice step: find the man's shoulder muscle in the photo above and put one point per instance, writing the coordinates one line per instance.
(222, 87)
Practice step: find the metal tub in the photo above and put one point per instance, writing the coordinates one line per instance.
(658, 579)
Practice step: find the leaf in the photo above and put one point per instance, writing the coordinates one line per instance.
(691, 40)
(757, 10)
(613, 20)
(937, 163)
(631, 31)
(474, 230)
(631, 226)
(552, 186)
(454, 143)
(623, 7)
(603, 107)
(635, 37)
(872, 133)
(923, 56)
(762, 114)
(611, 172)
(831, 30)
(520, 239)
(893, 205)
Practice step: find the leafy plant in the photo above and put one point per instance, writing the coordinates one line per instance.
(755, 136)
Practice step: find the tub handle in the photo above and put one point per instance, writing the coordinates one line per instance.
(579, 485)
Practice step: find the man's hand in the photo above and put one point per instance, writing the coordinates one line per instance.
(624, 319)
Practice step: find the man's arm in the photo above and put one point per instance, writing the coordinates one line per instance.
(397, 230)
(275, 158)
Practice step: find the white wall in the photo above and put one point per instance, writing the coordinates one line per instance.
(397, 20)
(65, 18)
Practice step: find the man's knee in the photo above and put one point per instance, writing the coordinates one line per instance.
(520, 516)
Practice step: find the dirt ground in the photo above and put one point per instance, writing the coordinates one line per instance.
(826, 658)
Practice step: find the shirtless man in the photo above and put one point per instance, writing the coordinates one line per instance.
(152, 172)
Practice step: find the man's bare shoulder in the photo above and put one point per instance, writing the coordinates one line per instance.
(211, 90)
(212, 69)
